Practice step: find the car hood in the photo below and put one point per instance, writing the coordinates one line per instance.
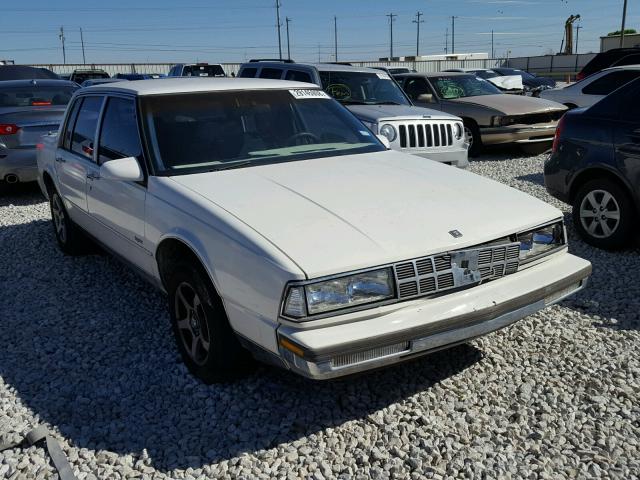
(343, 213)
(373, 113)
(512, 104)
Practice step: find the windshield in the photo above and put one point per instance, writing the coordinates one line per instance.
(35, 96)
(486, 74)
(200, 132)
(203, 71)
(363, 88)
(460, 86)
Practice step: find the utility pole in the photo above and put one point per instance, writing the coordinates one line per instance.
(453, 34)
(335, 36)
(624, 20)
(391, 20)
(493, 54)
(417, 21)
(84, 61)
(318, 53)
(287, 19)
(446, 41)
(279, 25)
(578, 27)
(64, 53)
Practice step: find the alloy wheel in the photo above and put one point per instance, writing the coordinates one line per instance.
(192, 323)
(599, 214)
(59, 221)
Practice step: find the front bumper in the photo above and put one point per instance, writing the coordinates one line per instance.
(521, 134)
(20, 162)
(390, 334)
(455, 157)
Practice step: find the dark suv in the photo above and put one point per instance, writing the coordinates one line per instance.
(611, 58)
(595, 167)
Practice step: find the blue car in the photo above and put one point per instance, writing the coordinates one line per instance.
(595, 167)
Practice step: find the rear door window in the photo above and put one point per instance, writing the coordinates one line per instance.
(273, 73)
(610, 82)
(68, 132)
(84, 132)
(119, 131)
(248, 73)
(298, 76)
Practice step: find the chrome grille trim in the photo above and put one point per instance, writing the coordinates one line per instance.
(373, 354)
(434, 274)
(424, 134)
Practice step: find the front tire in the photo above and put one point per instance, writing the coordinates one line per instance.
(67, 233)
(603, 214)
(472, 135)
(208, 346)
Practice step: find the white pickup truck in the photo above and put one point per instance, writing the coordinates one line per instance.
(281, 228)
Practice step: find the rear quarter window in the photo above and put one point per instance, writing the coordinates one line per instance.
(298, 76)
(273, 73)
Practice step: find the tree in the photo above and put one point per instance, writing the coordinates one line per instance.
(627, 31)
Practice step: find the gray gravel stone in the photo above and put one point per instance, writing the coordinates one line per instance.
(87, 351)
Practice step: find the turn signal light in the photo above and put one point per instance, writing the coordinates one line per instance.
(8, 129)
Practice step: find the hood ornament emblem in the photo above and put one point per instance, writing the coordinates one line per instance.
(455, 233)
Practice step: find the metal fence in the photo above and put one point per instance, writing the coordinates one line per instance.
(559, 66)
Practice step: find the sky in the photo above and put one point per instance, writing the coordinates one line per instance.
(120, 31)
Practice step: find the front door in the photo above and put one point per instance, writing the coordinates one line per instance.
(117, 206)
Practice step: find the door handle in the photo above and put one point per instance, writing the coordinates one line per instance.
(93, 176)
(60, 160)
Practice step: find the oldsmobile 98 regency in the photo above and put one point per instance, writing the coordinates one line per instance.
(280, 226)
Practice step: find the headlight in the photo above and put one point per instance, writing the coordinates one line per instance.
(541, 241)
(457, 130)
(337, 293)
(496, 121)
(388, 131)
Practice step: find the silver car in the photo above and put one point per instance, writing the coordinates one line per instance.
(28, 110)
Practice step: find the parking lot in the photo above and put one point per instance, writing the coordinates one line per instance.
(88, 351)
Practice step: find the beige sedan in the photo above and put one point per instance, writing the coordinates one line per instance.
(490, 116)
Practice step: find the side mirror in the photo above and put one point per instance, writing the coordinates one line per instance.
(384, 140)
(125, 169)
(425, 98)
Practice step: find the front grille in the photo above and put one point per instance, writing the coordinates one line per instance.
(354, 358)
(535, 118)
(425, 134)
(437, 273)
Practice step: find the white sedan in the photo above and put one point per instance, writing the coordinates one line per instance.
(281, 228)
(594, 88)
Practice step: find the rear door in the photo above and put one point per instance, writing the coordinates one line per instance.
(75, 153)
(627, 139)
(607, 83)
(117, 206)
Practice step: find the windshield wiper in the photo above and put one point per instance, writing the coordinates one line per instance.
(386, 102)
(230, 167)
(353, 102)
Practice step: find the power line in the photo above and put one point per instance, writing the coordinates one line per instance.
(287, 19)
(417, 21)
(391, 20)
(278, 24)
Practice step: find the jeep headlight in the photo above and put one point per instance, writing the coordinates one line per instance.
(388, 131)
(457, 130)
(315, 298)
(540, 241)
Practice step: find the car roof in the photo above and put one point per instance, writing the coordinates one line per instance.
(322, 67)
(622, 67)
(435, 74)
(195, 84)
(42, 82)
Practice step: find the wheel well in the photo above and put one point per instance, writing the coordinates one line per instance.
(48, 182)
(171, 252)
(469, 121)
(592, 174)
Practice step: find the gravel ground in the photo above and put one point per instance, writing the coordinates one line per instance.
(87, 351)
